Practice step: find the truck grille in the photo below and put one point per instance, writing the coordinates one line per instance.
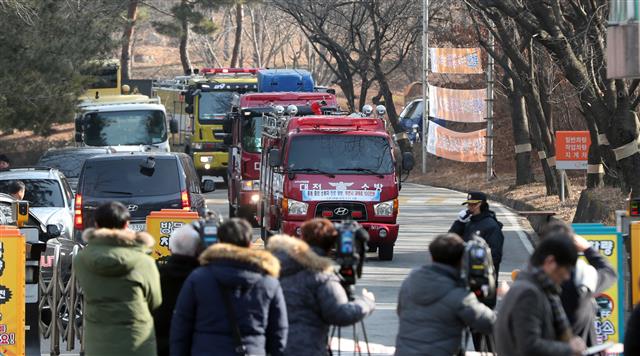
(342, 211)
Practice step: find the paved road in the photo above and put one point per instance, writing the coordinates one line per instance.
(424, 213)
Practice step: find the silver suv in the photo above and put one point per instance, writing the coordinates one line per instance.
(48, 193)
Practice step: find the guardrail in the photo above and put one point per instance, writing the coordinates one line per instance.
(63, 301)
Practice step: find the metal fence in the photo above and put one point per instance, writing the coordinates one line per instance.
(61, 298)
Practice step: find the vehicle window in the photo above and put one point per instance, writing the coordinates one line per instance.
(105, 77)
(338, 154)
(40, 193)
(136, 127)
(113, 178)
(213, 106)
(69, 163)
(413, 111)
(252, 134)
(67, 190)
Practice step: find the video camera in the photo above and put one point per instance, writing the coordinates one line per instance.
(207, 228)
(350, 252)
(478, 271)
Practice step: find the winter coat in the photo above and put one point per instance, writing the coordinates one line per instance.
(434, 308)
(578, 294)
(121, 287)
(315, 299)
(201, 324)
(525, 322)
(490, 230)
(172, 276)
(632, 333)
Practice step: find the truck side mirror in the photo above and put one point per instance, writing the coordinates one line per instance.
(79, 126)
(78, 137)
(188, 109)
(407, 161)
(274, 158)
(226, 138)
(173, 125)
(208, 186)
(53, 231)
(227, 122)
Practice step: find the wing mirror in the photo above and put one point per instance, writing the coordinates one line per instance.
(407, 161)
(208, 186)
(54, 231)
(173, 125)
(274, 158)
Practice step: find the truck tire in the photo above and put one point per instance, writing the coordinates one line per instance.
(385, 252)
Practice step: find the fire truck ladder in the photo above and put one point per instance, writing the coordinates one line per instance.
(273, 125)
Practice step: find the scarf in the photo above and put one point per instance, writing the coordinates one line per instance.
(560, 321)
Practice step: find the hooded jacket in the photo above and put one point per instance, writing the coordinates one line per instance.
(121, 287)
(490, 230)
(200, 324)
(172, 276)
(315, 298)
(434, 308)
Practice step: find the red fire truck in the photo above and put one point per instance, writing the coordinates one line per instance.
(246, 133)
(335, 167)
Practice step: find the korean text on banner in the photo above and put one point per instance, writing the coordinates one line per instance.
(457, 104)
(610, 314)
(457, 146)
(12, 292)
(455, 60)
(160, 225)
(572, 149)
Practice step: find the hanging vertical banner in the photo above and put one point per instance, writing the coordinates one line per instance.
(12, 292)
(457, 104)
(457, 146)
(455, 60)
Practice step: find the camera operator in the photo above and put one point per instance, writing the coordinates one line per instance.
(233, 303)
(434, 305)
(315, 298)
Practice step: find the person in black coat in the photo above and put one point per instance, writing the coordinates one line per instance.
(246, 279)
(185, 246)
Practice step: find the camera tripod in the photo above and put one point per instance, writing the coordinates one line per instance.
(356, 340)
(483, 343)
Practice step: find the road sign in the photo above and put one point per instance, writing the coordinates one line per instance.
(610, 315)
(12, 291)
(160, 224)
(572, 149)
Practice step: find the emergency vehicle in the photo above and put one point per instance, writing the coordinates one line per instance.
(245, 129)
(207, 96)
(335, 167)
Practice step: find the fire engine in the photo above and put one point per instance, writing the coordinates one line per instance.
(335, 167)
(245, 131)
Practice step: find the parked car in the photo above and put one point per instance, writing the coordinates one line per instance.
(142, 181)
(48, 192)
(411, 120)
(69, 160)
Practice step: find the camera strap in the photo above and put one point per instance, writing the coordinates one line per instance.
(240, 349)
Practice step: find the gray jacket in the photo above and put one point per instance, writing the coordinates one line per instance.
(315, 299)
(525, 322)
(434, 308)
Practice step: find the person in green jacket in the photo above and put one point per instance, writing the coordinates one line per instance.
(121, 286)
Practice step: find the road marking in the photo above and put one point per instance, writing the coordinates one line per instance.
(514, 222)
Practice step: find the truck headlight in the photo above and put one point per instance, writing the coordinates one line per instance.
(386, 208)
(250, 185)
(295, 207)
(206, 159)
(197, 146)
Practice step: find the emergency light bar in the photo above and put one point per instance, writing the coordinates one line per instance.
(336, 121)
(229, 70)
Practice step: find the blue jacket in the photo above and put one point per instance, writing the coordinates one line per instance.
(200, 323)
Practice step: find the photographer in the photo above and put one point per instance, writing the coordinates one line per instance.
(434, 306)
(315, 298)
(233, 303)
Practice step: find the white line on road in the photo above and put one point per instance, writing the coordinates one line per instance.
(514, 222)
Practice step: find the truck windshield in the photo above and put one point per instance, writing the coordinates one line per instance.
(213, 106)
(137, 127)
(340, 154)
(251, 134)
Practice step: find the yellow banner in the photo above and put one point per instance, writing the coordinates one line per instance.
(455, 60)
(457, 146)
(12, 292)
(160, 225)
(457, 104)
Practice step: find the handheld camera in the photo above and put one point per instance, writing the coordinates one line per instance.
(478, 271)
(350, 252)
(207, 228)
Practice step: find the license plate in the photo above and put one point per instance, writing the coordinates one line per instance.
(137, 227)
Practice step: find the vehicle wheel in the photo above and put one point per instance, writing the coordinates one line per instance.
(232, 211)
(385, 252)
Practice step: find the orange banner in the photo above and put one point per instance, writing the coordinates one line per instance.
(457, 104)
(455, 60)
(457, 146)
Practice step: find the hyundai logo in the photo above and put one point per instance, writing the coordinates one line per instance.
(341, 211)
(132, 207)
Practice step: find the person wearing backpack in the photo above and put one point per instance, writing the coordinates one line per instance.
(233, 304)
(435, 306)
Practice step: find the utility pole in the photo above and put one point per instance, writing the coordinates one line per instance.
(490, 95)
(425, 82)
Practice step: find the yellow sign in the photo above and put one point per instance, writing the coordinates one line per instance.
(635, 265)
(160, 225)
(12, 290)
